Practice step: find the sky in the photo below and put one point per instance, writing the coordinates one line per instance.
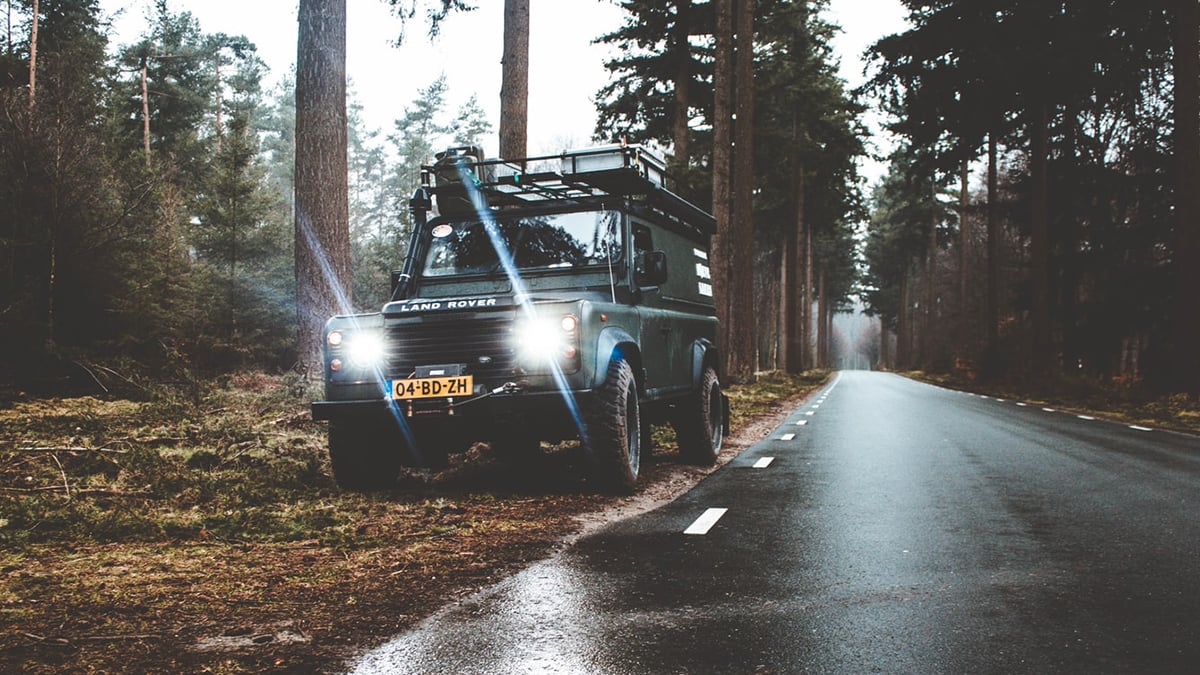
(565, 72)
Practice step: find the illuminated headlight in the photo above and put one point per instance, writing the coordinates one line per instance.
(364, 350)
(544, 340)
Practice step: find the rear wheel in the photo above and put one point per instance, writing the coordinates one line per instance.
(614, 428)
(699, 422)
(365, 455)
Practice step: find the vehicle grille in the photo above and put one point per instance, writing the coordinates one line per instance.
(483, 345)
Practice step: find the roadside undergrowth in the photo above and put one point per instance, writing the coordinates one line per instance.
(1125, 401)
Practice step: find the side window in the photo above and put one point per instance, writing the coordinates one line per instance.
(642, 244)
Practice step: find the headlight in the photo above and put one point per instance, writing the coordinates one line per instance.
(364, 350)
(543, 340)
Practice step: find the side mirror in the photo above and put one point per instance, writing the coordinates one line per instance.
(652, 269)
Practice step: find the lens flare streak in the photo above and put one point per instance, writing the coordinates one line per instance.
(479, 202)
(346, 308)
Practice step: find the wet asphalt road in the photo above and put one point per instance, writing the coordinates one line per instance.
(897, 528)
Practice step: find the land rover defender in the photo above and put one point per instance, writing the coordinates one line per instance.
(548, 298)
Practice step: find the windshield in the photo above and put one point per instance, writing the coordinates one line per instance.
(557, 241)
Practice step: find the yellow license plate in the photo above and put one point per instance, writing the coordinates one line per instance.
(434, 387)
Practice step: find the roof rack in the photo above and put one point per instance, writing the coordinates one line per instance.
(574, 175)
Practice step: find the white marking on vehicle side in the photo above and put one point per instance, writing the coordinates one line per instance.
(705, 522)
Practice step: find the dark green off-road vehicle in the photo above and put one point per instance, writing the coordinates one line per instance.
(549, 298)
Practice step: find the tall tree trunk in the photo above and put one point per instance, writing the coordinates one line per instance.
(33, 45)
(787, 278)
(742, 316)
(220, 103)
(1040, 243)
(822, 325)
(964, 267)
(793, 295)
(929, 303)
(884, 348)
(322, 203)
(903, 331)
(767, 294)
(1186, 65)
(723, 242)
(829, 312)
(145, 113)
(991, 360)
(806, 310)
(682, 51)
(514, 87)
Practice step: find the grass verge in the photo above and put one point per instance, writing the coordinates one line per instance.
(1131, 404)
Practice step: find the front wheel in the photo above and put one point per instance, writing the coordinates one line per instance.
(614, 440)
(699, 422)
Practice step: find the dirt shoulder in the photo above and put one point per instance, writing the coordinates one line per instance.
(112, 566)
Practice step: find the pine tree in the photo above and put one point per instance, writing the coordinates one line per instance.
(657, 55)
(1069, 85)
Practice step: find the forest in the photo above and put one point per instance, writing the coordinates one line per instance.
(1038, 220)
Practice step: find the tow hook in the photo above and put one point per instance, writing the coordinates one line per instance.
(507, 388)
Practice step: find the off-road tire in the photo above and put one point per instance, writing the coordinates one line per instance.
(614, 431)
(699, 422)
(364, 454)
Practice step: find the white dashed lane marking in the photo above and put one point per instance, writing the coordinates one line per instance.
(1138, 428)
(764, 462)
(801, 423)
(1086, 417)
(705, 522)
(787, 437)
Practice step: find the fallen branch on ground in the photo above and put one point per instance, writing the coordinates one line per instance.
(80, 449)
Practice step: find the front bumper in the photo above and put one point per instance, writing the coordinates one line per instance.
(549, 414)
